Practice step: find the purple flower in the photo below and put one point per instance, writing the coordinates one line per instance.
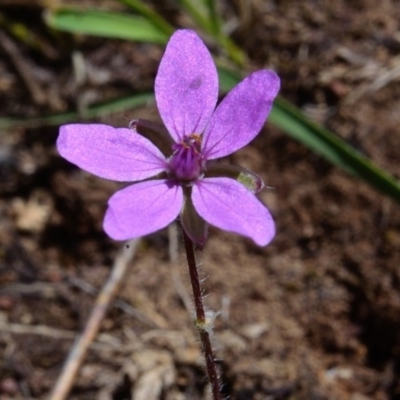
(186, 181)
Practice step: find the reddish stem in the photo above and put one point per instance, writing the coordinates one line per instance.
(202, 325)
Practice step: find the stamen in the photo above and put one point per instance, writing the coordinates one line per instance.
(187, 164)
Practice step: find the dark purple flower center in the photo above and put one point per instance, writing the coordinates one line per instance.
(187, 163)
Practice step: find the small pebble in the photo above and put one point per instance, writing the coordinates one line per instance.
(6, 302)
(8, 386)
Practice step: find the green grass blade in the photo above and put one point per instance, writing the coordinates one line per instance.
(156, 19)
(227, 77)
(198, 14)
(292, 121)
(106, 24)
(323, 142)
(113, 106)
(206, 19)
(215, 20)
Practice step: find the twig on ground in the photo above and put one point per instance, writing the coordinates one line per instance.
(120, 304)
(38, 95)
(36, 330)
(51, 290)
(83, 341)
(44, 289)
(173, 243)
(43, 330)
(173, 258)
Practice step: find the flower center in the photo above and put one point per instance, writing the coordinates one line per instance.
(187, 163)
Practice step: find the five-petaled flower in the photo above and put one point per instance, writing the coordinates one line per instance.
(179, 156)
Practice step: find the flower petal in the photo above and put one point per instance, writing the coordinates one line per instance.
(141, 209)
(186, 85)
(227, 204)
(119, 154)
(241, 114)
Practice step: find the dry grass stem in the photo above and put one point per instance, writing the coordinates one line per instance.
(83, 341)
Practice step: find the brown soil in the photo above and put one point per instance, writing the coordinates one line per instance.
(315, 315)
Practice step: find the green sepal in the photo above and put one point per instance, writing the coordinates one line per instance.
(195, 226)
(247, 178)
(156, 133)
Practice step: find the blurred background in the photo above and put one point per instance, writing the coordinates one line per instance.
(316, 314)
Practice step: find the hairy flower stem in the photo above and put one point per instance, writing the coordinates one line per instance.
(201, 322)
